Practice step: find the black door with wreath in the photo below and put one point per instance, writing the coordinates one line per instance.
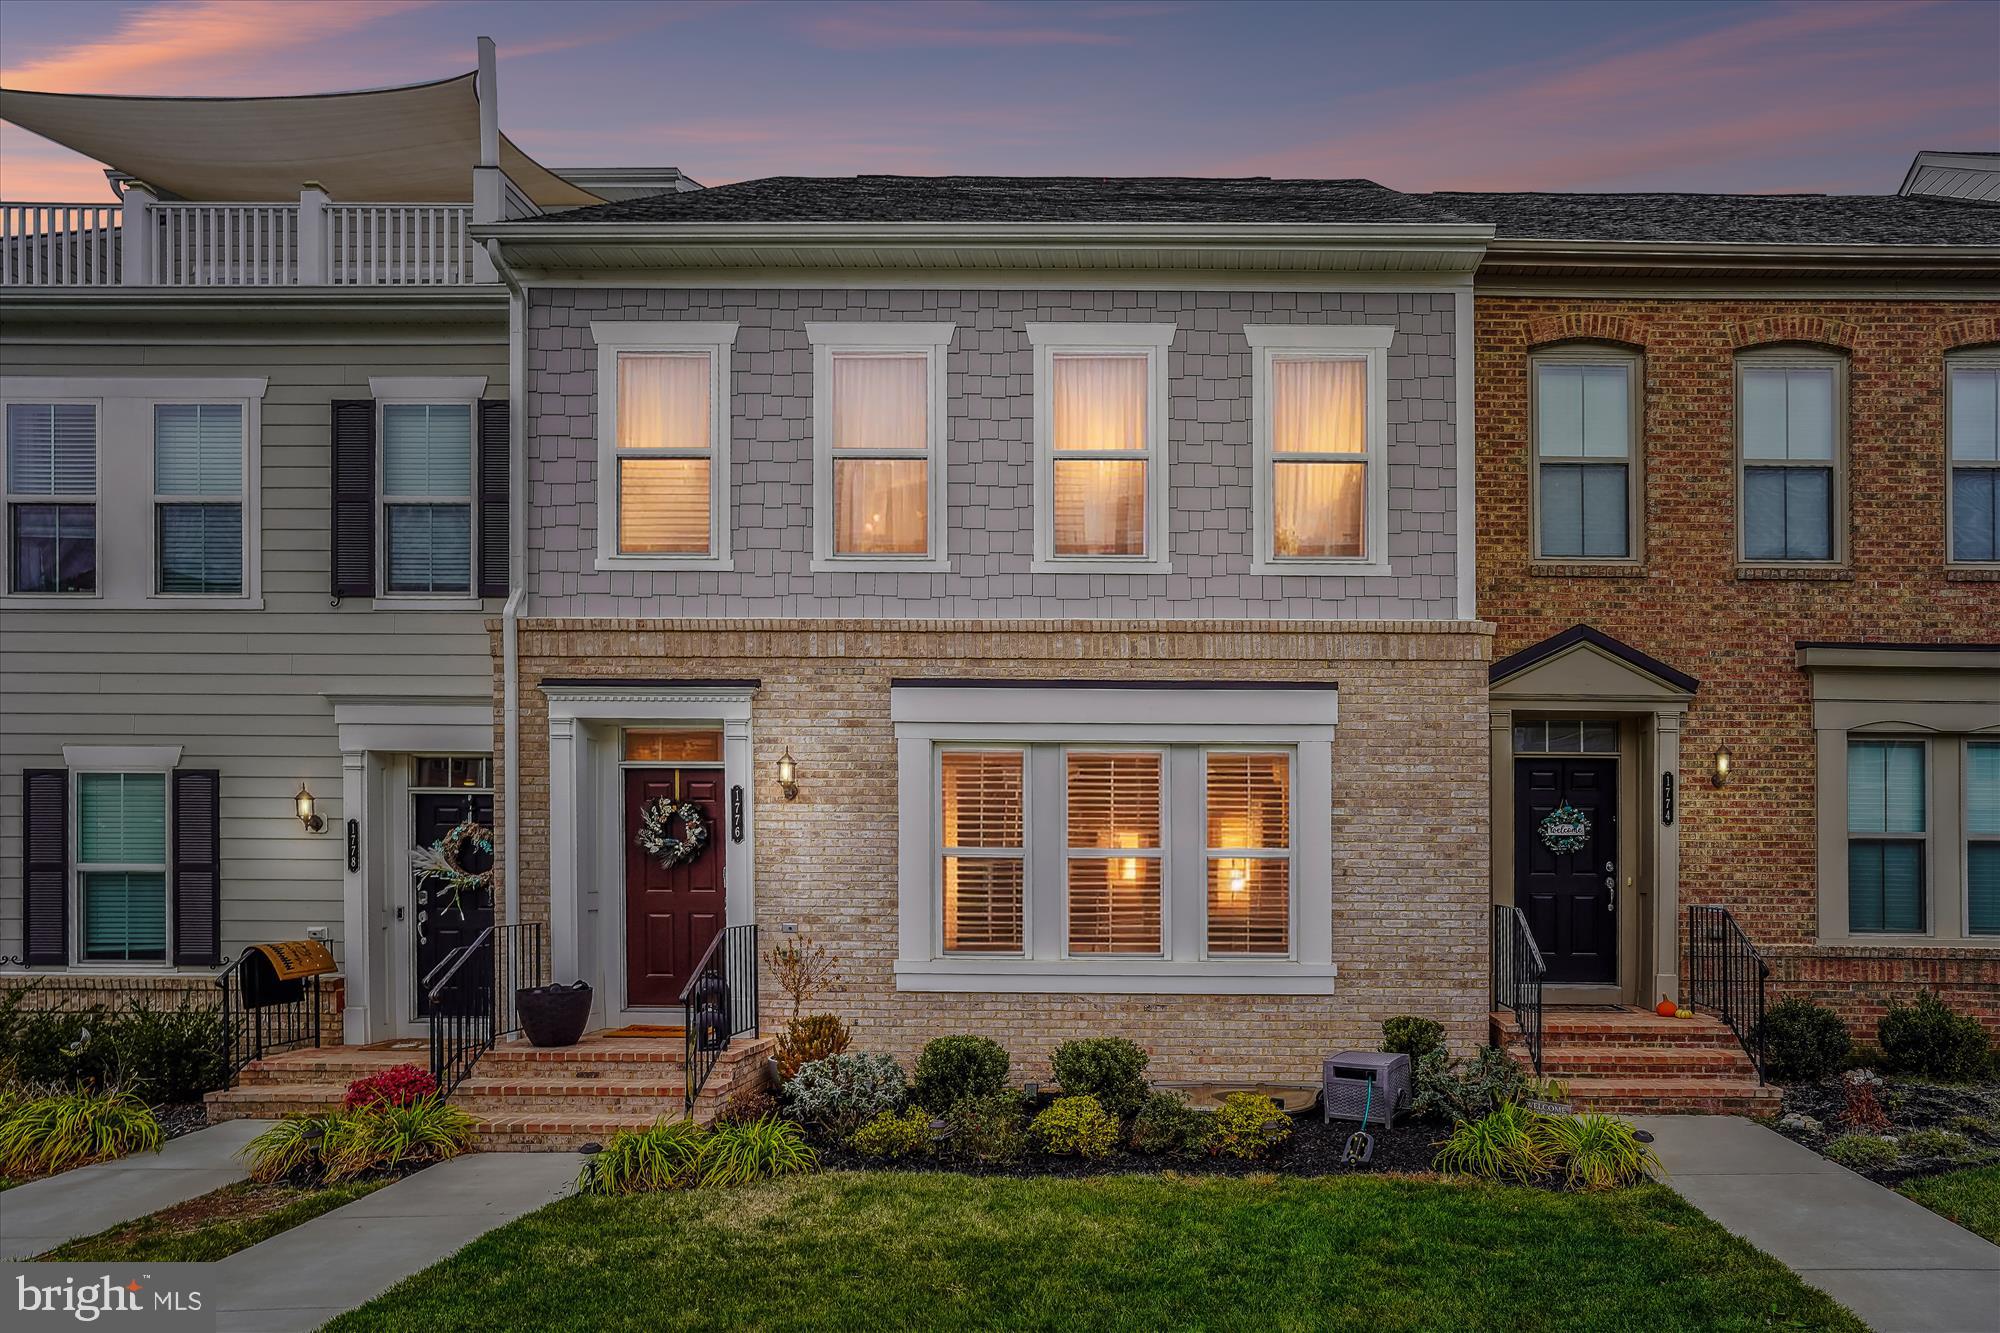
(1566, 864)
(440, 926)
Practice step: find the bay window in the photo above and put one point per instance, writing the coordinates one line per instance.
(663, 444)
(878, 445)
(51, 478)
(1790, 427)
(1972, 387)
(1101, 457)
(1320, 401)
(1587, 476)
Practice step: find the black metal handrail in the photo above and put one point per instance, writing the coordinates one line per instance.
(1517, 975)
(472, 995)
(256, 1026)
(719, 1003)
(1727, 975)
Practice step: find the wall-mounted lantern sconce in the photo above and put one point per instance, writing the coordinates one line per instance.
(788, 775)
(1719, 774)
(314, 822)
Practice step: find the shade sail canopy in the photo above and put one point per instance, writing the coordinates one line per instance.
(415, 144)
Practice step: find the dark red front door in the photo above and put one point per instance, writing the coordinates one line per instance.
(671, 915)
(1568, 891)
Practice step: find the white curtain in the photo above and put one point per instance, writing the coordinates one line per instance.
(880, 402)
(1319, 406)
(1100, 403)
(1320, 510)
(881, 506)
(1100, 507)
(663, 401)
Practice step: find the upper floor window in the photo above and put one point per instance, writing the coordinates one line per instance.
(1588, 484)
(427, 497)
(52, 497)
(878, 445)
(1791, 423)
(663, 444)
(1320, 427)
(1887, 832)
(198, 498)
(1973, 393)
(1100, 456)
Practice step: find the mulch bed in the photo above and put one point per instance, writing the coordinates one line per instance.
(1911, 1104)
(184, 1118)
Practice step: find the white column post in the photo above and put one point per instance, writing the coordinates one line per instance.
(565, 853)
(739, 865)
(487, 181)
(358, 924)
(136, 240)
(1667, 858)
(313, 267)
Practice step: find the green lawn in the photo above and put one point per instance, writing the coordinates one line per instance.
(894, 1251)
(1970, 1197)
(211, 1227)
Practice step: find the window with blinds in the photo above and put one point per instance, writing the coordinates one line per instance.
(51, 493)
(1249, 858)
(198, 498)
(427, 497)
(665, 451)
(1114, 869)
(121, 854)
(1098, 413)
(1887, 836)
(983, 831)
(881, 454)
(1982, 834)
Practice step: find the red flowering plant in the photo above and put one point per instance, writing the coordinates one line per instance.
(405, 1085)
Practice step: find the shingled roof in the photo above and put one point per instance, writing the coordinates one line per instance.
(1785, 219)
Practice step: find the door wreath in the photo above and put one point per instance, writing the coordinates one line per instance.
(438, 863)
(1565, 829)
(657, 819)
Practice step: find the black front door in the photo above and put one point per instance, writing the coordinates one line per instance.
(442, 924)
(1566, 864)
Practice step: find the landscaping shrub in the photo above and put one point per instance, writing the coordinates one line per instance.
(159, 1055)
(1927, 1038)
(44, 1135)
(1111, 1069)
(1862, 1111)
(661, 1156)
(1508, 1143)
(1411, 1036)
(738, 1154)
(1447, 1092)
(813, 1037)
(803, 970)
(1169, 1126)
(1933, 1143)
(1075, 1127)
(1248, 1126)
(1803, 1042)
(345, 1145)
(952, 1069)
(1597, 1151)
(1863, 1056)
(841, 1093)
(289, 1150)
(1862, 1152)
(985, 1131)
(400, 1086)
(1978, 1127)
(752, 1101)
(891, 1137)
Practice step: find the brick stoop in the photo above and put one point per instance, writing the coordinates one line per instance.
(526, 1098)
(1634, 1062)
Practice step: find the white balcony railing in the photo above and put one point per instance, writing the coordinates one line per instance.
(313, 242)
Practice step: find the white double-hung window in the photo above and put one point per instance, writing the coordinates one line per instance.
(1791, 427)
(1972, 390)
(1171, 839)
(51, 479)
(1319, 426)
(198, 499)
(1588, 489)
(121, 866)
(878, 445)
(427, 498)
(663, 444)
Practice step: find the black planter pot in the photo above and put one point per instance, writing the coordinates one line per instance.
(553, 1015)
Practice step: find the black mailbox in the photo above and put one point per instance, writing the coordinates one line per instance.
(276, 973)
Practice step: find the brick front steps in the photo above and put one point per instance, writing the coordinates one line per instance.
(525, 1099)
(1633, 1062)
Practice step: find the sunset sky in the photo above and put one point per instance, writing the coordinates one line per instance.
(1687, 96)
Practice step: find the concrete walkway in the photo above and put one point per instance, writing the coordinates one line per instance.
(299, 1280)
(1898, 1265)
(42, 1214)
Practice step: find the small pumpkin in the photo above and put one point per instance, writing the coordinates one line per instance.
(1685, 1013)
(1666, 1008)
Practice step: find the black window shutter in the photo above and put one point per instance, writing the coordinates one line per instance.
(353, 497)
(197, 867)
(45, 867)
(493, 454)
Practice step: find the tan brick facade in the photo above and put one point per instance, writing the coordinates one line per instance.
(1751, 845)
(1409, 818)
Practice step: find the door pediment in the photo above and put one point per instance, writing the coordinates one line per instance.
(1584, 666)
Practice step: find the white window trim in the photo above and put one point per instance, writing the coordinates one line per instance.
(1591, 354)
(1983, 359)
(1161, 853)
(931, 717)
(930, 341)
(1365, 342)
(242, 501)
(1151, 341)
(1289, 854)
(615, 338)
(127, 545)
(426, 391)
(8, 500)
(95, 757)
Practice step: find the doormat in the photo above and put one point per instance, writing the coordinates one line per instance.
(398, 1044)
(659, 1030)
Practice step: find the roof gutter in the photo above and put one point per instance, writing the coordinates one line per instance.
(517, 579)
(943, 233)
(1508, 251)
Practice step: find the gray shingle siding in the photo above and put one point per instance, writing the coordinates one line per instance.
(990, 522)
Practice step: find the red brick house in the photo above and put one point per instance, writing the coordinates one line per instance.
(1735, 460)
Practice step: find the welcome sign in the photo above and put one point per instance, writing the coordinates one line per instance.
(1565, 829)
